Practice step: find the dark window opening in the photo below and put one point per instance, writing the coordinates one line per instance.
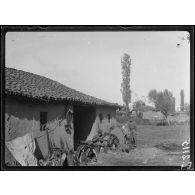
(69, 117)
(43, 121)
(101, 117)
(109, 116)
(68, 126)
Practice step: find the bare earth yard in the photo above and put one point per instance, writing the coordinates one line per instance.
(156, 146)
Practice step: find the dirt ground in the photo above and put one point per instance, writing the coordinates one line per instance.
(156, 146)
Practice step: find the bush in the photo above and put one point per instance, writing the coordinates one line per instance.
(122, 118)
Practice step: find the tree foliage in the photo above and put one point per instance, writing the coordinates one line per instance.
(138, 104)
(125, 85)
(153, 96)
(163, 101)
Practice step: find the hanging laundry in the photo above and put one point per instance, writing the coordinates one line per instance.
(22, 149)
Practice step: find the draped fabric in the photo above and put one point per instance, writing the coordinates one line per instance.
(22, 149)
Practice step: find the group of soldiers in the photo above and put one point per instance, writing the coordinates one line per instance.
(128, 129)
(103, 139)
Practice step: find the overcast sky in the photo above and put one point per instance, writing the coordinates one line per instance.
(90, 61)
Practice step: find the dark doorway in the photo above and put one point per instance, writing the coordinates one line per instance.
(84, 117)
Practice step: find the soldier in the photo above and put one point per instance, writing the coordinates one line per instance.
(132, 131)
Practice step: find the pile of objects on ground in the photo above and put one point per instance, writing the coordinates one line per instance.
(56, 158)
(21, 151)
(87, 151)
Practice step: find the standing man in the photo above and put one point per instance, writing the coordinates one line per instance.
(132, 131)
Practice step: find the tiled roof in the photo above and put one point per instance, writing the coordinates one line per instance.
(18, 82)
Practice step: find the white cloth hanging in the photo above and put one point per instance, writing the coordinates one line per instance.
(22, 149)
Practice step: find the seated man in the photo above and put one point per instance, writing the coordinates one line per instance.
(99, 141)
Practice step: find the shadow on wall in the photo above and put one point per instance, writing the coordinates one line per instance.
(22, 116)
(26, 110)
(38, 154)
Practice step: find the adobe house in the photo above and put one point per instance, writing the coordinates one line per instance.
(49, 110)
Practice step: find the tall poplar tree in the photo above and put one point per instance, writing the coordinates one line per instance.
(125, 85)
(182, 100)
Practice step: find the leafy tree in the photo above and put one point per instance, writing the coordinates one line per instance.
(137, 106)
(153, 95)
(125, 85)
(182, 100)
(163, 101)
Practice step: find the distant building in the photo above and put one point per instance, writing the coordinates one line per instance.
(148, 115)
(153, 115)
(178, 118)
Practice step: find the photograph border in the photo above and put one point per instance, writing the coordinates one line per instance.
(96, 28)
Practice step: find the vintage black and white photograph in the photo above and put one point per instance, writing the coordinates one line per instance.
(97, 98)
